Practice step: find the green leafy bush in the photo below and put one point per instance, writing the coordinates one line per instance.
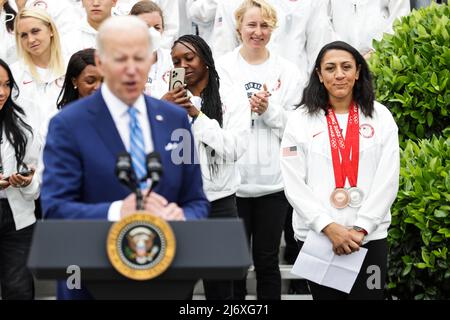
(411, 72)
(419, 237)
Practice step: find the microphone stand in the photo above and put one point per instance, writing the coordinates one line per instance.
(139, 199)
(138, 192)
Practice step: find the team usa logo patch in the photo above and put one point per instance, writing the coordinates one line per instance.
(166, 76)
(366, 130)
(141, 246)
(277, 85)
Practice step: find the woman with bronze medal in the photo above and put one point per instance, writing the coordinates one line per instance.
(340, 165)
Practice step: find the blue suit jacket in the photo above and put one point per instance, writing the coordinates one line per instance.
(80, 155)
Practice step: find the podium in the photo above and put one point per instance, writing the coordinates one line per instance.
(205, 249)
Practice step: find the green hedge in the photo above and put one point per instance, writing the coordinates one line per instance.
(411, 72)
(419, 237)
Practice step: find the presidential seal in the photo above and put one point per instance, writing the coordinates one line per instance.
(141, 246)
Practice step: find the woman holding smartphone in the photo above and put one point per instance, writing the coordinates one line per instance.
(19, 152)
(220, 121)
(40, 69)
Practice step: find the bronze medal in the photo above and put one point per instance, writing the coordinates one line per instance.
(339, 198)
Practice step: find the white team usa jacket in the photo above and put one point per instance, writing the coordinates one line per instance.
(159, 75)
(229, 143)
(259, 167)
(38, 99)
(8, 42)
(21, 200)
(307, 170)
(82, 37)
(358, 22)
(202, 13)
(171, 17)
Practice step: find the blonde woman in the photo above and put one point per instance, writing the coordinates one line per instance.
(40, 69)
(303, 27)
(61, 11)
(272, 84)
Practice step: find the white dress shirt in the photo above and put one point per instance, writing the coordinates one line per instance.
(121, 118)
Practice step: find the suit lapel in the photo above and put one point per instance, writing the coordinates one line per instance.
(105, 125)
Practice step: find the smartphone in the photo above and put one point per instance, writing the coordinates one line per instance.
(23, 173)
(176, 78)
(26, 172)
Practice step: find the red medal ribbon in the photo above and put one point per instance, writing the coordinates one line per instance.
(343, 166)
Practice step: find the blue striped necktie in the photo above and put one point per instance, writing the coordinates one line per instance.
(137, 147)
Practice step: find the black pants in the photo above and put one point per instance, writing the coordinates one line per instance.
(376, 257)
(15, 278)
(291, 250)
(221, 289)
(264, 221)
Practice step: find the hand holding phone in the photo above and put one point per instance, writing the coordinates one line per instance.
(22, 178)
(23, 173)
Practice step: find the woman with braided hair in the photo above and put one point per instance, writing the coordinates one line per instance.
(220, 123)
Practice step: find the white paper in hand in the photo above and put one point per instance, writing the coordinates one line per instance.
(318, 263)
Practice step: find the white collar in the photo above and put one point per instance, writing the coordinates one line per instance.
(87, 28)
(117, 106)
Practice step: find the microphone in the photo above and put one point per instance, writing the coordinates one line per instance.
(154, 167)
(126, 175)
(124, 170)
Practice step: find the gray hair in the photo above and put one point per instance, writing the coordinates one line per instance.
(120, 23)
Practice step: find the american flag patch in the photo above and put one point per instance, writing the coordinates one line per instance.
(289, 151)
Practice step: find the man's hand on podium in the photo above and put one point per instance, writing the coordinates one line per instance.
(154, 204)
(158, 205)
(128, 206)
(172, 212)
